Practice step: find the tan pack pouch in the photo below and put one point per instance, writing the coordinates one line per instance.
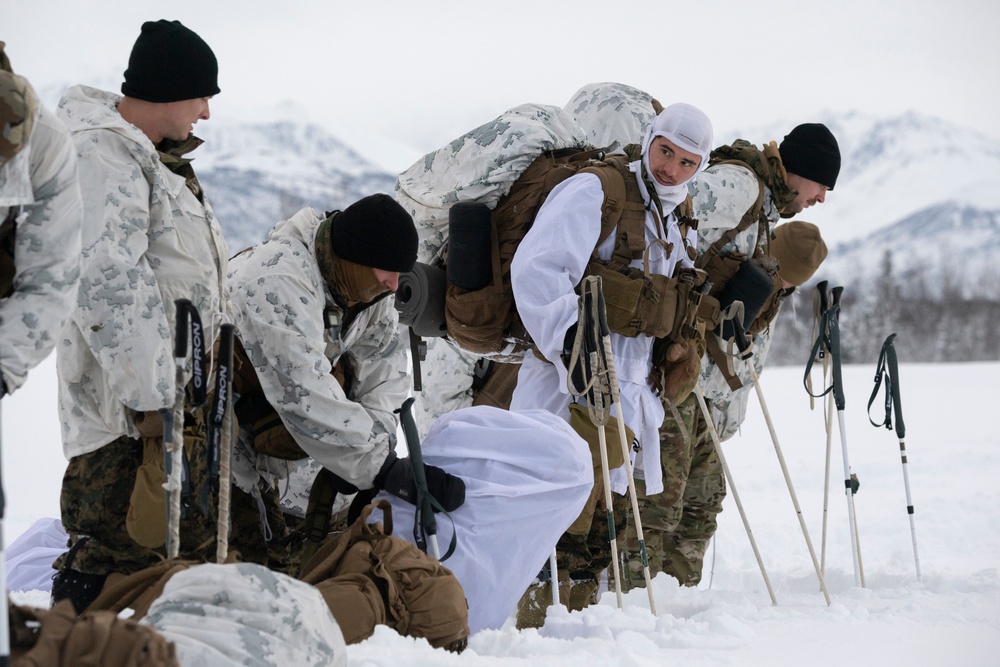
(356, 603)
(639, 302)
(477, 320)
(499, 387)
(146, 521)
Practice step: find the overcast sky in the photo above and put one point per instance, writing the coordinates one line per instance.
(419, 74)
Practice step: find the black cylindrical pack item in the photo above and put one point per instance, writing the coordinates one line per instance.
(470, 264)
(752, 285)
(420, 300)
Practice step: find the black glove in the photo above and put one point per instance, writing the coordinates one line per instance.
(396, 477)
(581, 372)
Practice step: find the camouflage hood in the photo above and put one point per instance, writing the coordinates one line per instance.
(84, 108)
(15, 140)
(18, 113)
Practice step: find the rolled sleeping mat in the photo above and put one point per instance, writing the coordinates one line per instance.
(420, 300)
(470, 257)
(752, 285)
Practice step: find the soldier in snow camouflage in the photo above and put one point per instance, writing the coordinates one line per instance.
(150, 237)
(785, 180)
(40, 215)
(315, 295)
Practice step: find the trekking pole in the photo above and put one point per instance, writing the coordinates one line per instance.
(4, 620)
(609, 360)
(424, 514)
(788, 479)
(220, 450)
(821, 302)
(821, 350)
(554, 577)
(424, 521)
(597, 393)
(888, 367)
(850, 487)
(177, 482)
(736, 496)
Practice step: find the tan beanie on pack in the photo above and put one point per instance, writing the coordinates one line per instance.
(799, 249)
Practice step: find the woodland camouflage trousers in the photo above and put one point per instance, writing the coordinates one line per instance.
(678, 523)
(95, 499)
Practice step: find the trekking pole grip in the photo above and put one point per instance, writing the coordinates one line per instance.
(180, 340)
(897, 401)
(427, 519)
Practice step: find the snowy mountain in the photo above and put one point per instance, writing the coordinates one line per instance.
(259, 173)
(921, 187)
(924, 188)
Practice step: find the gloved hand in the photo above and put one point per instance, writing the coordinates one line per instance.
(680, 367)
(396, 477)
(581, 373)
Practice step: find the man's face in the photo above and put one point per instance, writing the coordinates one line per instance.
(179, 117)
(670, 164)
(375, 284)
(810, 192)
(388, 280)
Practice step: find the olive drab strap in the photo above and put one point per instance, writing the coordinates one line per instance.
(623, 209)
(319, 511)
(723, 359)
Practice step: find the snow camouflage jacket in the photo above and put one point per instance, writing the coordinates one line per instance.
(39, 188)
(721, 195)
(279, 297)
(147, 241)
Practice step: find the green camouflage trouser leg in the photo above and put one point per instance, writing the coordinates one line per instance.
(678, 523)
(95, 498)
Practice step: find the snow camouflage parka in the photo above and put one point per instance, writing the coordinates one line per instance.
(39, 187)
(279, 296)
(147, 241)
(721, 195)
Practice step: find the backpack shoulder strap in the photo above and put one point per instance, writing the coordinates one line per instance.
(623, 208)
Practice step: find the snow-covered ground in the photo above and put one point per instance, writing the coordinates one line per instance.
(952, 617)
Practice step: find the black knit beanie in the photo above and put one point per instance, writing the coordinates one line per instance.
(170, 63)
(810, 150)
(377, 232)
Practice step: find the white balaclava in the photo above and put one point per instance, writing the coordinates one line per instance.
(686, 127)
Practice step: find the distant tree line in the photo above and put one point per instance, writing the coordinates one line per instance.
(958, 320)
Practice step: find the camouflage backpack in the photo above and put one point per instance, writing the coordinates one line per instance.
(486, 322)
